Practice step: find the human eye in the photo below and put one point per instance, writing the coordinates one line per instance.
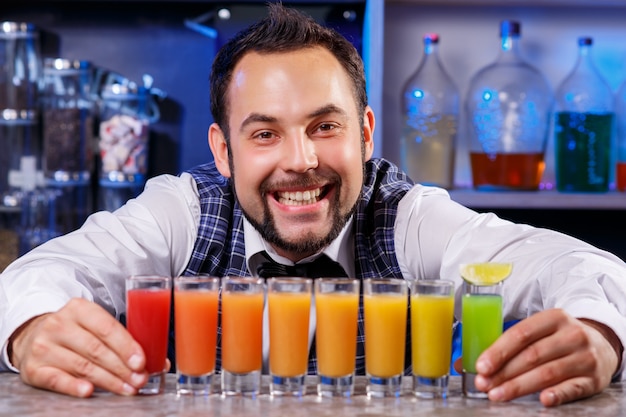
(326, 129)
(264, 135)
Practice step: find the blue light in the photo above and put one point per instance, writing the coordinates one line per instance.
(419, 94)
(487, 95)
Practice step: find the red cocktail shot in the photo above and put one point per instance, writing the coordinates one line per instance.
(148, 302)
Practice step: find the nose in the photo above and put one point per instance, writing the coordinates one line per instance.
(300, 153)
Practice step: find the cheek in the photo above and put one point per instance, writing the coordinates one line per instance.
(249, 171)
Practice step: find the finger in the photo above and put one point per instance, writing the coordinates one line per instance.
(69, 363)
(544, 380)
(551, 348)
(91, 345)
(542, 377)
(516, 339)
(567, 391)
(54, 379)
(114, 336)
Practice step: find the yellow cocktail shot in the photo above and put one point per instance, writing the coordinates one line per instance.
(432, 318)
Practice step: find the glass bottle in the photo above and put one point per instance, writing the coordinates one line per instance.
(430, 102)
(583, 126)
(509, 104)
(620, 115)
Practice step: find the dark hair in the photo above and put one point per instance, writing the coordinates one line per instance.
(283, 30)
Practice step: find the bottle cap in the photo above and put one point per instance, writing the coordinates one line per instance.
(585, 40)
(510, 28)
(431, 37)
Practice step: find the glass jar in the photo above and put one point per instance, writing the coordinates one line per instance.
(509, 106)
(125, 115)
(430, 108)
(20, 60)
(583, 126)
(67, 120)
(20, 141)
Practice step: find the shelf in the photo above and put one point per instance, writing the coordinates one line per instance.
(514, 3)
(539, 200)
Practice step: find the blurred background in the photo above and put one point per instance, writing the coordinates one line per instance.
(159, 52)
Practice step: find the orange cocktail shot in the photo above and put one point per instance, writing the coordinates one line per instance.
(195, 322)
(289, 305)
(337, 311)
(242, 335)
(385, 303)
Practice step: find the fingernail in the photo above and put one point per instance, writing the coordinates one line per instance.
(496, 394)
(136, 379)
(84, 389)
(134, 362)
(127, 389)
(551, 399)
(481, 382)
(483, 366)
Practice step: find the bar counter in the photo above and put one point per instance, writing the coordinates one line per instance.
(18, 399)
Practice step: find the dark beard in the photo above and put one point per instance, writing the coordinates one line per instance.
(307, 244)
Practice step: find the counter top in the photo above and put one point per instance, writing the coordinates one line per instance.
(18, 399)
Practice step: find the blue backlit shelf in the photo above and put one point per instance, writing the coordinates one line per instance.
(539, 200)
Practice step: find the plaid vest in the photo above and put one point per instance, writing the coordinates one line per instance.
(219, 249)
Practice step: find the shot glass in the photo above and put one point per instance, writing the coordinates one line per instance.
(385, 303)
(289, 306)
(482, 325)
(148, 300)
(195, 320)
(337, 312)
(432, 318)
(243, 300)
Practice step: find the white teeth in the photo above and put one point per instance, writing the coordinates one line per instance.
(299, 198)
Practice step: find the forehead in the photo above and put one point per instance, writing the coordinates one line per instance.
(290, 79)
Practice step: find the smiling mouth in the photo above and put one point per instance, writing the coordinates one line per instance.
(299, 198)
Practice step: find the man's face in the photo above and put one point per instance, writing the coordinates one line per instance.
(297, 147)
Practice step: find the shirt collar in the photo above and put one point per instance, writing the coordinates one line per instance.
(340, 250)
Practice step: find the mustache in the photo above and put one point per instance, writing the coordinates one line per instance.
(306, 180)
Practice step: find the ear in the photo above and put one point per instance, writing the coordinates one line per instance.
(219, 148)
(369, 122)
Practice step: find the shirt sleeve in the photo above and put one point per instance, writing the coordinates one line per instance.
(434, 235)
(152, 234)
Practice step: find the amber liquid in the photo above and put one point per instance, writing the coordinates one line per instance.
(507, 171)
(620, 176)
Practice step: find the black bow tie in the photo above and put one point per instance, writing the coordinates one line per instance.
(320, 267)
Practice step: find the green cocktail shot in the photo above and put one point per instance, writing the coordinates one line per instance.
(481, 310)
(482, 325)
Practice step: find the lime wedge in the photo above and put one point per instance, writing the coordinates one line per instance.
(486, 273)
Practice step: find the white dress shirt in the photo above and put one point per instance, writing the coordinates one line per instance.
(155, 234)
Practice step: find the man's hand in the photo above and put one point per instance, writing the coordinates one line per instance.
(563, 358)
(77, 349)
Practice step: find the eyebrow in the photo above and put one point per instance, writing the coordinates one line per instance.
(258, 117)
(327, 109)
